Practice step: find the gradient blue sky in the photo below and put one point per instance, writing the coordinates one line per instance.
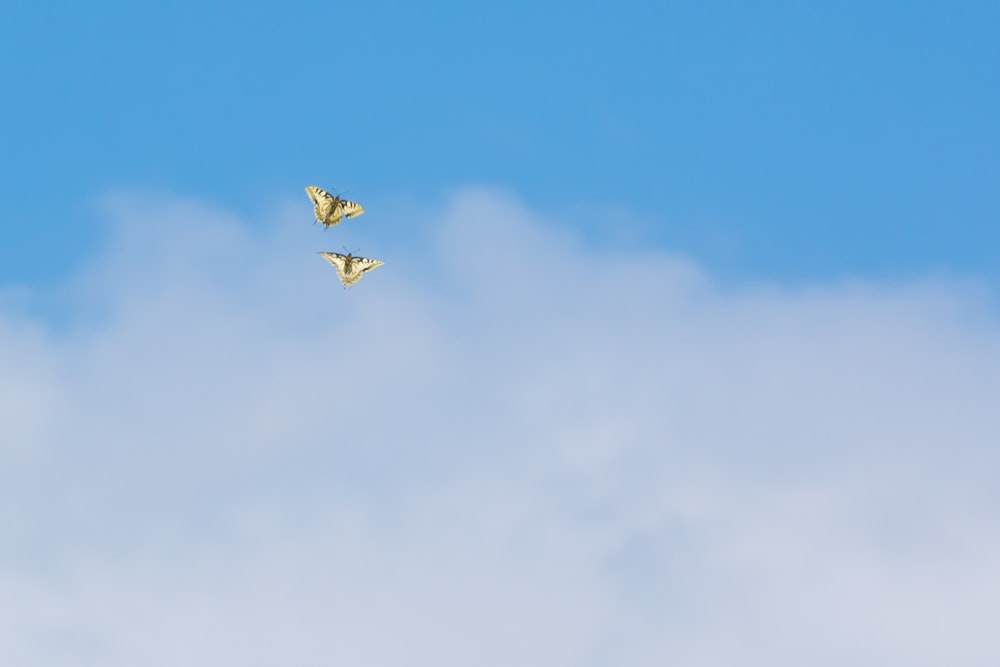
(681, 353)
(784, 140)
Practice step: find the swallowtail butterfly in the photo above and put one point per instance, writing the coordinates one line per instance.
(329, 209)
(350, 268)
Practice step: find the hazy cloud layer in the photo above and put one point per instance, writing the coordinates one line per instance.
(504, 447)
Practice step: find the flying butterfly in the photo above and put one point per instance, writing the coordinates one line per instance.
(329, 209)
(350, 268)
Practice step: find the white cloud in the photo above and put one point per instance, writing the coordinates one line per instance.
(503, 447)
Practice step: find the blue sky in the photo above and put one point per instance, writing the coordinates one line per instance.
(789, 141)
(685, 349)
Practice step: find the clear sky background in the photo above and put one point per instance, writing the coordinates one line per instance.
(685, 351)
(787, 140)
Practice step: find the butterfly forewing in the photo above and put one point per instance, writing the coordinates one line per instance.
(351, 209)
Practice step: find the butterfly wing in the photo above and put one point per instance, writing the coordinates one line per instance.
(357, 266)
(351, 209)
(362, 264)
(316, 194)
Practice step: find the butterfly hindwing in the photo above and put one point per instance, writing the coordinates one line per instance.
(329, 209)
(350, 268)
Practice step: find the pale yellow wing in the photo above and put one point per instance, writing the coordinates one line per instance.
(351, 209)
(362, 264)
(357, 267)
(316, 194)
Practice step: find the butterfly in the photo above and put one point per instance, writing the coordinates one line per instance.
(329, 209)
(350, 268)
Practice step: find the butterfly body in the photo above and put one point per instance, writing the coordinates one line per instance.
(350, 268)
(329, 209)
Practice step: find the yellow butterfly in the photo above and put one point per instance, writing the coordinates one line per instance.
(329, 209)
(350, 268)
